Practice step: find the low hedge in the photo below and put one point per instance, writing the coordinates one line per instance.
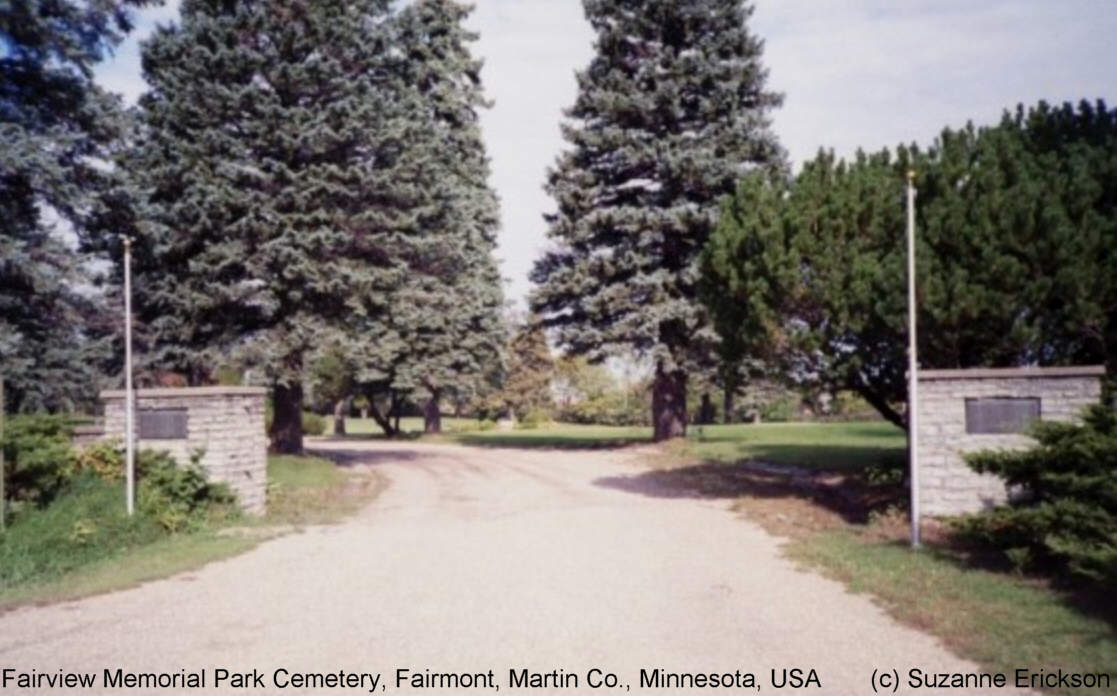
(1065, 520)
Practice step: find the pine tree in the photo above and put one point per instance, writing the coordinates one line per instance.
(1016, 226)
(443, 326)
(670, 113)
(470, 335)
(54, 124)
(262, 169)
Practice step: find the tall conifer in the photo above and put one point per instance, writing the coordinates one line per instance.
(266, 145)
(669, 114)
(55, 124)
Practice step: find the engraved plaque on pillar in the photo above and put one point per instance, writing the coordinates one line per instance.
(1001, 415)
(162, 424)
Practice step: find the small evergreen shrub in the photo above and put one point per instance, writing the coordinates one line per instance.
(38, 457)
(313, 424)
(1066, 517)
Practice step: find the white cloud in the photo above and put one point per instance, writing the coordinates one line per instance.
(857, 73)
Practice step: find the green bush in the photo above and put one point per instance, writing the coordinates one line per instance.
(533, 419)
(1065, 518)
(608, 408)
(38, 457)
(103, 459)
(177, 497)
(778, 410)
(313, 424)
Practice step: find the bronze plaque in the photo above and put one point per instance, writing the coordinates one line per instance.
(1000, 415)
(163, 424)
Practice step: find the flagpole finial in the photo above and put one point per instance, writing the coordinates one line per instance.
(911, 175)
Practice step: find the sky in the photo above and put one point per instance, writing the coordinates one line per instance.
(855, 73)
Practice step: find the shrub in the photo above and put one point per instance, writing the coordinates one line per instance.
(313, 424)
(1065, 518)
(174, 496)
(103, 459)
(38, 457)
(778, 410)
(177, 496)
(533, 419)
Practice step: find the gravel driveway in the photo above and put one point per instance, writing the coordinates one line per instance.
(487, 559)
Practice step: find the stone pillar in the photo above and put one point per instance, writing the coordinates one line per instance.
(225, 423)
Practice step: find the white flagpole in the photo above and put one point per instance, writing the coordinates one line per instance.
(913, 378)
(129, 399)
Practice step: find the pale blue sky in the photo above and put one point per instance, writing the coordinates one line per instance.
(856, 73)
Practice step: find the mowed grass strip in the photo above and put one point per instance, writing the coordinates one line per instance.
(841, 446)
(1001, 621)
(312, 490)
(85, 544)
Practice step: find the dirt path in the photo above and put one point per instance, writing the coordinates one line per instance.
(490, 559)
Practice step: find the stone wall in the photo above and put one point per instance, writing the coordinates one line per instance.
(226, 423)
(947, 486)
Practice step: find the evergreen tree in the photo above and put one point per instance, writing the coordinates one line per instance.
(669, 114)
(54, 124)
(744, 273)
(262, 171)
(468, 300)
(1016, 227)
(443, 326)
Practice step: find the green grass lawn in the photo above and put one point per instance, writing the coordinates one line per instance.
(1000, 621)
(84, 544)
(839, 446)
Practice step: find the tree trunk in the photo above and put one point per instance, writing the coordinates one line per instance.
(384, 421)
(339, 416)
(432, 414)
(396, 404)
(706, 412)
(287, 422)
(881, 405)
(669, 404)
(729, 405)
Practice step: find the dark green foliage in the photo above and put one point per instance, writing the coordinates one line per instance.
(669, 113)
(1016, 225)
(434, 333)
(38, 458)
(308, 182)
(259, 183)
(54, 123)
(1066, 517)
